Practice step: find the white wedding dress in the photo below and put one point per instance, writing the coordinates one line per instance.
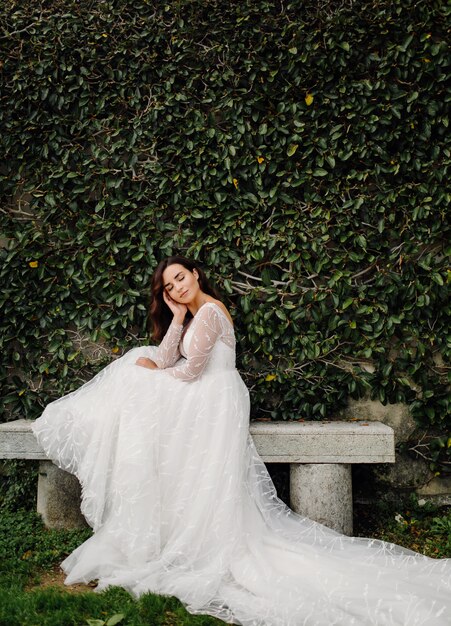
(181, 504)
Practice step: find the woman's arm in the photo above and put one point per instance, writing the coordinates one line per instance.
(207, 330)
(168, 352)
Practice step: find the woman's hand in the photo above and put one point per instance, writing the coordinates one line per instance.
(145, 362)
(178, 309)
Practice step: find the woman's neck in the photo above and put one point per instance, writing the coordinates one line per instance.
(200, 299)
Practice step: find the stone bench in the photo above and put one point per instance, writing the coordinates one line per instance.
(320, 455)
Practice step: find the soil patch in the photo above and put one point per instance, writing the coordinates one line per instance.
(55, 578)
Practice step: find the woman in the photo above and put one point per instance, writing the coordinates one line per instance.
(181, 504)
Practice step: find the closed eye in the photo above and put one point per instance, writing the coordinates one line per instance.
(179, 278)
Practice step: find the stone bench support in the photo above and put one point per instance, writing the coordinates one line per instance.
(320, 455)
(323, 492)
(59, 492)
(59, 497)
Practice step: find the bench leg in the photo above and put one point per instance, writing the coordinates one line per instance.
(323, 492)
(59, 497)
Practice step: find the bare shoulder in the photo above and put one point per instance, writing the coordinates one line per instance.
(222, 307)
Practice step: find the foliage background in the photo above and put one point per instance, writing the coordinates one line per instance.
(297, 149)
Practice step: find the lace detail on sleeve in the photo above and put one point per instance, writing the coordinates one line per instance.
(168, 351)
(208, 328)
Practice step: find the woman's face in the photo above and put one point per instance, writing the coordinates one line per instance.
(180, 283)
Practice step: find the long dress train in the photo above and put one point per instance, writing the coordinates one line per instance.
(181, 504)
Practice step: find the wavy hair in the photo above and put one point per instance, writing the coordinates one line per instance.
(160, 314)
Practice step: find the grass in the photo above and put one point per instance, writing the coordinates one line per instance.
(412, 523)
(56, 607)
(30, 554)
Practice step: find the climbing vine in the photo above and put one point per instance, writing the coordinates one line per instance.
(297, 149)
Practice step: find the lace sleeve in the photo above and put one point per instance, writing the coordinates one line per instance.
(168, 351)
(206, 332)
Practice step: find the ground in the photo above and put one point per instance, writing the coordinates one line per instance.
(55, 578)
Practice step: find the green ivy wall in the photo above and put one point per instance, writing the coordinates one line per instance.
(298, 149)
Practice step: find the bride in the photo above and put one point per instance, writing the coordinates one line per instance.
(181, 504)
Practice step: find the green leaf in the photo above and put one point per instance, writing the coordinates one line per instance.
(436, 277)
(115, 619)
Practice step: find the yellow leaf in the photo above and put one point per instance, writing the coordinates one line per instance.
(115, 350)
(235, 182)
(33, 263)
(308, 99)
(260, 159)
(270, 377)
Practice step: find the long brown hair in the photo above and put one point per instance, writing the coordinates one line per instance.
(160, 314)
